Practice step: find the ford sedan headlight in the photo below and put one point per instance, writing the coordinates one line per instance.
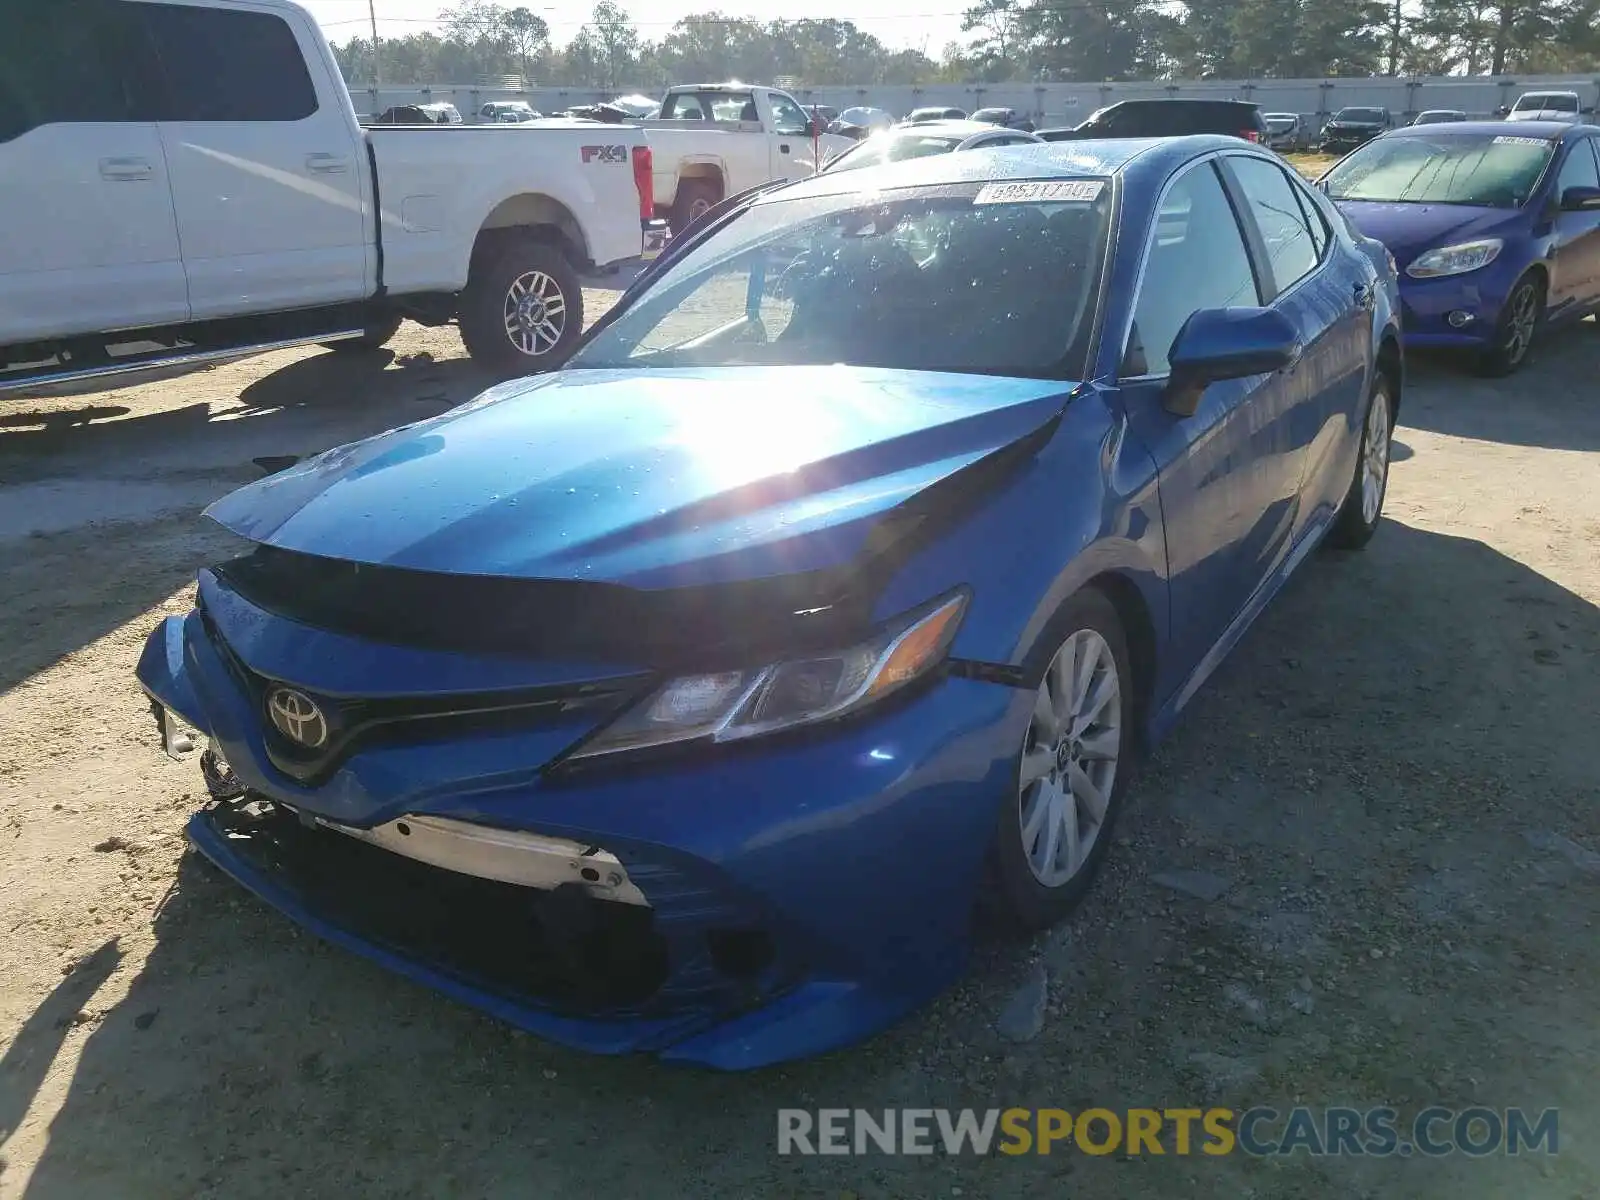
(1455, 260)
(733, 705)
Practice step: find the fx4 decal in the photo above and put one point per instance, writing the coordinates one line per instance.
(605, 154)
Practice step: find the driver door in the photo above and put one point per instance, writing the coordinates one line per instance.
(1223, 478)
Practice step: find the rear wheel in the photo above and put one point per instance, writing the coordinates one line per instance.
(695, 198)
(1363, 503)
(522, 310)
(1072, 769)
(1516, 329)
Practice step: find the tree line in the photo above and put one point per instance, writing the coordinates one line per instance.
(1008, 40)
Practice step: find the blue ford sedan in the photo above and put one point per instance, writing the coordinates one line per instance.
(691, 698)
(1495, 226)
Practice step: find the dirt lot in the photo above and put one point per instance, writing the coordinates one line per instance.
(1393, 781)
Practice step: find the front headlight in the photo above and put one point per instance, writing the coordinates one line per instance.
(733, 705)
(1455, 260)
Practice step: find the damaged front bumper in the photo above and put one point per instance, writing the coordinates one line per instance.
(733, 910)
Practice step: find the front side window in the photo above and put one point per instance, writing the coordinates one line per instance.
(1292, 250)
(1482, 169)
(928, 279)
(229, 65)
(788, 118)
(1196, 259)
(1579, 168)
(70, 62)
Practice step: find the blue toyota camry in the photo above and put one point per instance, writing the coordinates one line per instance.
(691, 698)
(1495, 226)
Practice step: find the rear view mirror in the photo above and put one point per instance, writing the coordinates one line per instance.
(1580, 199)
(1227, 343)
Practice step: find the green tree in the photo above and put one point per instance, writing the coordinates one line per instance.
(527, 35)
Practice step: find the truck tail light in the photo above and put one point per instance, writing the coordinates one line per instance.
(1250, 135)
(644, 172)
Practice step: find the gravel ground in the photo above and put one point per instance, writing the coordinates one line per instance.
(1388, 791)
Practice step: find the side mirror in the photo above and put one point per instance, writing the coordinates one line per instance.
(1580, 199)
(1226, 343)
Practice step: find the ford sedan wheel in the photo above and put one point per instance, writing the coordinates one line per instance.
(1517, 328)
(1072, 769)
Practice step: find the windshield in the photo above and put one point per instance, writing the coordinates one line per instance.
(1550, 101)
(1368, 115)
(992, 279)
(1483, 169)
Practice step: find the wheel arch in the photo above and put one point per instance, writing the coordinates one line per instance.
(540, 216)
(1391, 366)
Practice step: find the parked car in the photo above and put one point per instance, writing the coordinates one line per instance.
(1285, 131)
(510, 112)
(215, 195)
(1167, 118)
(1438, 116)
(687, 699)
(1352, 127)
(1495, 227)
(1010, 118)
(857, 123)
(920, 141)
(1546, 106)
(918, 116)
(713, 140)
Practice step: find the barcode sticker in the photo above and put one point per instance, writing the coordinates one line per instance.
(1521, 141)
(1040, 191)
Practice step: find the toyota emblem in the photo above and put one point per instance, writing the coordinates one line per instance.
(297, 717)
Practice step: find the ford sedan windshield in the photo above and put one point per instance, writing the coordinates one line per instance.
(999, 279)
(1486, 170)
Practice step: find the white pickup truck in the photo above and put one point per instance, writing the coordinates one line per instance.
(185, 180)
(714, 140)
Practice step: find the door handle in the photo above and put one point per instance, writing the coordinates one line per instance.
(783, 147)
(126, 170)
(326, 164)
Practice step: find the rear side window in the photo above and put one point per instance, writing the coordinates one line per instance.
(1292, 252)
(227, 65)
(70, 62)
(1196, 259)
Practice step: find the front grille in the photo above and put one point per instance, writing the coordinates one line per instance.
(354, 724)
(696, 949)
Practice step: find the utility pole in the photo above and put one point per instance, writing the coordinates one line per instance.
(377, 67)
(1394, 41)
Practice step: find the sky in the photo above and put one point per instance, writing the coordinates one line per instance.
(919, 24)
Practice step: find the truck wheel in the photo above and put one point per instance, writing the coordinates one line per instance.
(522, 310)
(695, 198)
(379, 329)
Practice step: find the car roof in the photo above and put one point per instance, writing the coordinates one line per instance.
(1554, 130)
(1184, 100)
(1140, 161)
(950, 128)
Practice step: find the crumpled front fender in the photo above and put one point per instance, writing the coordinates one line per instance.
(162, 670)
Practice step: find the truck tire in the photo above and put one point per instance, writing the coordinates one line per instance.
(379, 329)
(522, 310)
(695, 198)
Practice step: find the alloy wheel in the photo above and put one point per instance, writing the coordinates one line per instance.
(1375, 456)
(1069, 764)
(535, 313)
(1522, 316)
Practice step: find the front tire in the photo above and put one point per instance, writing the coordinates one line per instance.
(1363, 502)
(1520, 321)
(1073, 769)
(522, 310)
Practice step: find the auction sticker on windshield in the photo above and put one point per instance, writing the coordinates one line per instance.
(1508, 140)
(1040, 191)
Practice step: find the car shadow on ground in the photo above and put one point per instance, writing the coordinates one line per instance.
(1403, 902)
(1553, 402)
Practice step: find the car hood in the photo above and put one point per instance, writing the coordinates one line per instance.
(1409, 229)
(651, 478)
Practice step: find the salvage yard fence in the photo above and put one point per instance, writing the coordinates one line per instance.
(1068, 103)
